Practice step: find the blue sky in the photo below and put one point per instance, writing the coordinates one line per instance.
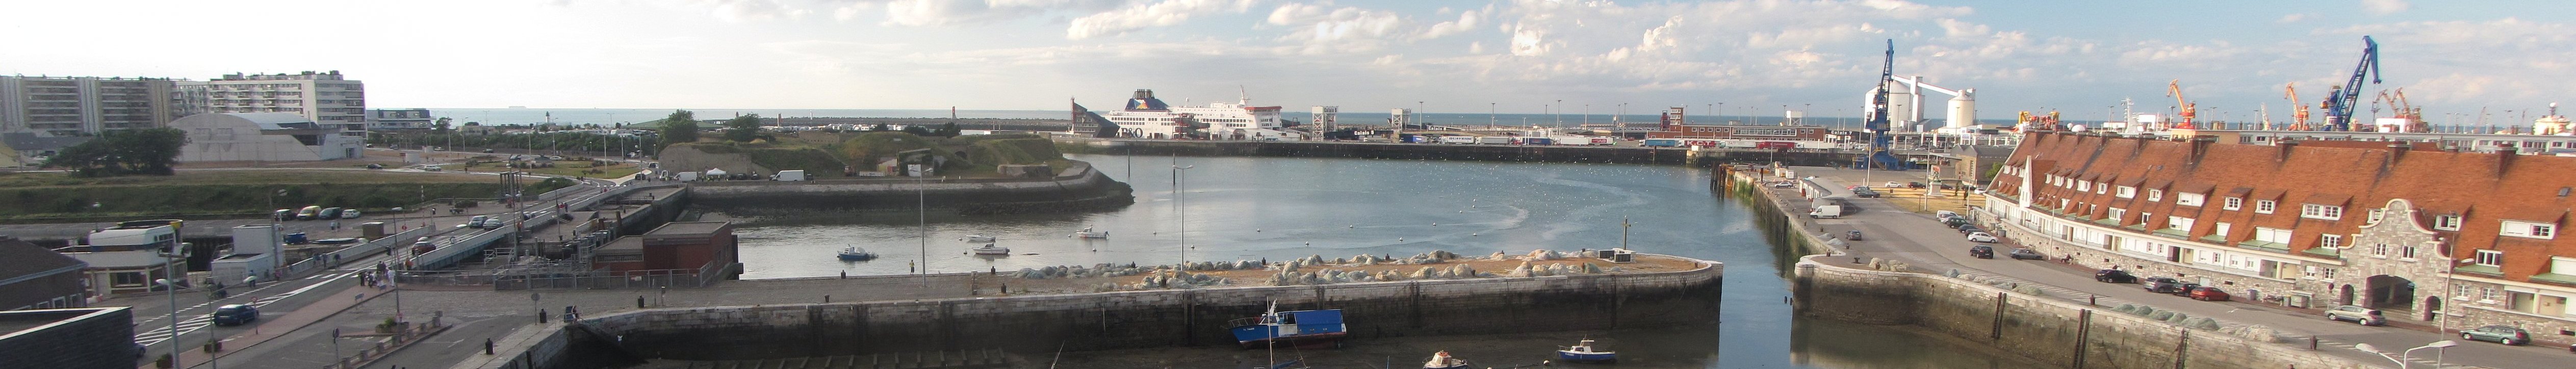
(2082, 57)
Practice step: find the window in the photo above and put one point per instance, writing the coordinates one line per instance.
(2315, 211)
(2331, 241)
(2378, 214)
(2447, 222)
(2101, 188)
(2562, 265)
(2407, 252)
(2487, 294)
(2325, 273)
(2189, 199)
(2461, 291)
(2181, 223)
(125, 279)
(2220, 230)
(2146, 218)
(2379, 249)
(2491, 258)
(2273, 235)
(2116, 214)
(2235, 203)
(2127, 192)
(2083, 186)
(2524, 229)
(2155, 195)
(2263, 206)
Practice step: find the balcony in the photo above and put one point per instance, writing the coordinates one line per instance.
(2329, 253)
(2173, 234)
(2554, 278)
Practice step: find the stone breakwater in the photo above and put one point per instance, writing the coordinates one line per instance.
(1039, 324)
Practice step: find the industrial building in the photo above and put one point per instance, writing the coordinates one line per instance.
(2453, 239)
(38, 278)
(675, 246)
(267, 137)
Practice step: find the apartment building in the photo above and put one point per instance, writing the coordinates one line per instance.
(80, 106)
(2458, 239)
(399, 119)
(326, 98)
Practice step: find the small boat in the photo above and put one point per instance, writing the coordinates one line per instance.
(1299, 329)
(854, 253)
(1086, 232)
(1441, 360)
(1583, 353)
(990, 249)
(977, 238)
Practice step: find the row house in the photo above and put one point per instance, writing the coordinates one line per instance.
(2455, 239)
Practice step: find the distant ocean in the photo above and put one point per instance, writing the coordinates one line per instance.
(529, 116)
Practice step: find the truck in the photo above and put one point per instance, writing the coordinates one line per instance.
(1826, 212)
(789, 175)
(1537, 141)
(1494, 140)
(1458, 139)
(1585, 140)
(688, 176)
(1661, 142)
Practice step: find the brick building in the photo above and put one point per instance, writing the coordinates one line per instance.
(2456, 239)
(674, 246)
(37, 278)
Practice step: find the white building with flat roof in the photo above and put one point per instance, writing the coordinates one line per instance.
(325, 98)
(399, 119)
(266, 137)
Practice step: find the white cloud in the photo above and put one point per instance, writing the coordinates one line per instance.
(1467, 20)
(2384, 7)
(2293, 18)
(1168, 12)
(1339, 30)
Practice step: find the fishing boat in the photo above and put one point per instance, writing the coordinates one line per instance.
(977, 238)
(1299, 329)
(1441, 360)
(1086, 232)
(854, 253)
(1583, 353)
(990, 249)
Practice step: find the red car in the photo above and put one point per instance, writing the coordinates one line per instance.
(2207, 294)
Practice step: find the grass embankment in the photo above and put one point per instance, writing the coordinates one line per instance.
(824, 154)
(567, 168)
(60, 197)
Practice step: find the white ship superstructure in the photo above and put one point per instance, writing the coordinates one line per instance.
(1147, 117)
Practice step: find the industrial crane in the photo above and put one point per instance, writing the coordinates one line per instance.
(1877, 123)
(2338, 103)
(2175, 89)
(2411, 118)
(2299, 115)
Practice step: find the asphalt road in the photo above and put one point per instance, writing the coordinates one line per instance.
(1924, 242)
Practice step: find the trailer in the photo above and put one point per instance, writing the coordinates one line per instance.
(1494, 140)
(1538, 141)
(1458, 139)
(1661, 142)
(1775, 145)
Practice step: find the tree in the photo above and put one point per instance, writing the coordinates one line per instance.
(743, 128)
(880, 127)
(949, 130)
(441, 126)
(124, 151)
(917, 131)
(471, 124)
(681, 127)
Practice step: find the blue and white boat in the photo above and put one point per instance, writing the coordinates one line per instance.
(854, 253)
(1583, 353)
(1300, 329)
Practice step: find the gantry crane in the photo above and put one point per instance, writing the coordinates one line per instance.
(2338, 103)
(2175, 89)
(2299, 111)
(1879, 154)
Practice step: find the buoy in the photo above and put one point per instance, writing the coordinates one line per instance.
(1399, 238)
(1475, 234)
(1435, 224)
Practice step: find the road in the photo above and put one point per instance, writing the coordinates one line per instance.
(1922, 241)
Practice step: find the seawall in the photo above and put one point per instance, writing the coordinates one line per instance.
(1077, 189)
(1464, 152)
(1039, 324)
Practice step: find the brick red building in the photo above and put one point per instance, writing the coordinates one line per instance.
(674, 246)
(2457, 239)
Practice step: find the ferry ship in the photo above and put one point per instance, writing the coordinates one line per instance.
(1145, 116)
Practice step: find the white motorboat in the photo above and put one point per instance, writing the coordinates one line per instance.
(1086, 232)
(977, 238)
(990, 249)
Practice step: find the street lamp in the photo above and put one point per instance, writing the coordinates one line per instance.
(2403, 357)
(1490, 116)
(1560, 114)
(1181, 200)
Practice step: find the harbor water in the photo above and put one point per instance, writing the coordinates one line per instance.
(1237, 208)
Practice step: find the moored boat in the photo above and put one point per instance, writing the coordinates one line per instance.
(854, 253)
(990, 249)
(1441, 360)
(1584, 353)
(1086, 232)
(1300, 329)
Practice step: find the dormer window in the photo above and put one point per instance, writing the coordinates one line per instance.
(2235, 203)
(2524, 229)
(2447, 222)
(2314, 211)
(2127, 192)
(2264, 206)
(2155, 195)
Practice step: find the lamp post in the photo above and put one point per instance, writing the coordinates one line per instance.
(1180, 200)
(1491, 116)
(2403, 358)
(1721, 113)
(1560, 114)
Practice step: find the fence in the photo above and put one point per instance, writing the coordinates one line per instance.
(701, 277)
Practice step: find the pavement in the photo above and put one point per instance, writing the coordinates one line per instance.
(1922, 241)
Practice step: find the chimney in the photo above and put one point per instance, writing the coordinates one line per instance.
(2504, 159)
(2396, 152)
(2286, 146)
(2200, 147)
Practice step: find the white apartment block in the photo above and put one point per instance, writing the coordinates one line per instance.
(81, 106)
(380, 119)
(326, 97)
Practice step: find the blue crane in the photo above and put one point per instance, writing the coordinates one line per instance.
(1879, 142)
(2339, 103)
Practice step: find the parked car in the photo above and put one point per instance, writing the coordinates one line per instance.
(2025, 253)
(1946, 214)
(2507, 335)
(349, 214)
(1955, 222)
(1783, 184)
(2206, 294)
(1981, 237)
(1865, 193)
(375, 166)
(1982, 251)
(1893, 184)
(2356, 314)
(487, 151)
(1853, 235)
(1913, 184)
(283, 215)
(1970, 228)
(2114, 276)
(236, 314)
(329, 213)
(2163, 285)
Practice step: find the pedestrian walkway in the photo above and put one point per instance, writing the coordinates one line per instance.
(283, 324)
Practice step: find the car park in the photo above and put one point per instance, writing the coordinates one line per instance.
(1982, 251)
(235, 314)
(2114, 276)
(1853, 235)
(2205, 293)
(2357, 315)
(2025, 253)
(1981, 237)
(2507, 335)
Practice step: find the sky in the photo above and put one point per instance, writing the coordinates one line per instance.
(1527, 56)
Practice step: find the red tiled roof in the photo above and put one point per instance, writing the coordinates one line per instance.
(2481, 187)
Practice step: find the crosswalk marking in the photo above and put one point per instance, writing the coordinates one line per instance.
(193, 323)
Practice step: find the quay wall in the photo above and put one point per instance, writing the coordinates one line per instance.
(1463, 152)
(1079, 188)
(2069, 333)
(1159, 318)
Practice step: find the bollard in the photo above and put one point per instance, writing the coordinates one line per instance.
(827, 299)
(487, 346)
(845, 274)
(2093, 301)
(2312, 343)
(541, 315)
(639, 301)
(1855, 260)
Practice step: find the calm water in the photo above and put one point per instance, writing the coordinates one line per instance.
(1251, 208)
